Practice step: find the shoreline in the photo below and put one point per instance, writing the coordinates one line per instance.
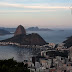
(40, 47)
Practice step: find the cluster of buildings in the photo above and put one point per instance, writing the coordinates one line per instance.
(9, 43)
(56, 58)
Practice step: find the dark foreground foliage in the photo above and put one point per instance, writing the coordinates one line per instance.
(12, 66)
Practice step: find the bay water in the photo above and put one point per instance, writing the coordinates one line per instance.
(21, 54)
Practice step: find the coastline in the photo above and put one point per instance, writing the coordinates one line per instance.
(40, 47)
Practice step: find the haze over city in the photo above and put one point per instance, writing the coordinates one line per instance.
(41, 13)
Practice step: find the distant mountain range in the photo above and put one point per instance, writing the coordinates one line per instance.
(8, 29)
(4, 32)
(28, 29)
(38, 29)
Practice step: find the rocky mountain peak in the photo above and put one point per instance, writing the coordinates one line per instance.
(20, 30)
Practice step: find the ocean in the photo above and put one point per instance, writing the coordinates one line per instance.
(21, 54)
(56, 36)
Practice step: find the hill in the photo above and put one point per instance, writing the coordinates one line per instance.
(38, 29)
(4, 32)
(20, 30)
(68, 42)
(31, 39)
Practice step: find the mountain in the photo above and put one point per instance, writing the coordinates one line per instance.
(38, 29)
(12, 30)
(9, 29)
(20, 30)
(4, 32)
(68, 42)
(33, 28)
(23, 39)
(31, 39)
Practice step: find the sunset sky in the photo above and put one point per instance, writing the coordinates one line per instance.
(41, 13)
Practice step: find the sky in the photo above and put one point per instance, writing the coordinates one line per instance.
(31, 13)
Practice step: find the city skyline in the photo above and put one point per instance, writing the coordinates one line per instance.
(41, 13)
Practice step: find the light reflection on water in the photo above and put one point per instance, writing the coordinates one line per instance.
(18, 53)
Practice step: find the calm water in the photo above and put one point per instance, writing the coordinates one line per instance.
(21, 54)
(17, 53)
(54, 36)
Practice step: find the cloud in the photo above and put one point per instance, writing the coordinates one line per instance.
(31, 6)
(6, 11)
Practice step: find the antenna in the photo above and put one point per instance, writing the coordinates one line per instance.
(71, 9)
